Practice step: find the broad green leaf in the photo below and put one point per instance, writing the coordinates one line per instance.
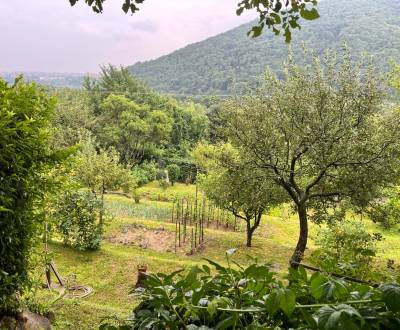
(316, 286)
(391, 296)
(212, 307)
(309, 14)
(287, 301)
(272, 303)
(229, 322)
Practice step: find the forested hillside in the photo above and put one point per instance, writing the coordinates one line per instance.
(220, 64)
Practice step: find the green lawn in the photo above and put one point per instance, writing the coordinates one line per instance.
(111, 271)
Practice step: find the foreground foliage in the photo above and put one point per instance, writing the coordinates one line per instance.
(254, 298)
(25, 112)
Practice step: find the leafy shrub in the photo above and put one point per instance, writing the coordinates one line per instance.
(78, 214)
(145, 173)
(174, 173)
(25, 112)
(346, 247)
(387, 213)
(254, 298)
(100, 169)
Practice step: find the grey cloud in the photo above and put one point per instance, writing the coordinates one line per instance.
(49, 35)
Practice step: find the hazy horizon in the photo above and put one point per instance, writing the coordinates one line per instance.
(49, 36)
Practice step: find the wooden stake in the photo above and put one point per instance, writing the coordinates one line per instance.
(179, 233)
(176, 232)
(191, 245)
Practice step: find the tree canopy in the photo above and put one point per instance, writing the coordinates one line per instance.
(235, 187)
(320, 134)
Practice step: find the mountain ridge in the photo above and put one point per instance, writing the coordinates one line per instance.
(224, 62)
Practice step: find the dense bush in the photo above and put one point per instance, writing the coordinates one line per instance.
(145, 173)
(25, 111)
(254, 298)
(346, 247)
(78, 216)
(174, 173)
(387, 212)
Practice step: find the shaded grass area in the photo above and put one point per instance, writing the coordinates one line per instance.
(111, 271)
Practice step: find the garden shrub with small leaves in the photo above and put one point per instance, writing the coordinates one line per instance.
(346, 247)
(78, 216)
(253, 297)
(386, 213)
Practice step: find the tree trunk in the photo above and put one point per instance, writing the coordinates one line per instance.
(101, 211)
(249, 237)
(251, 229)
(303, 236)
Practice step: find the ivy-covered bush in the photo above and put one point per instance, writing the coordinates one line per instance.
(174, 173)
(346, 247)
(78, 215)
(25, 111)
(254, 297)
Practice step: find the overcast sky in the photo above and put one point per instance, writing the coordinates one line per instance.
(50, 36)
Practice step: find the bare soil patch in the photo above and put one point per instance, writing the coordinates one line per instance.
(157, 239)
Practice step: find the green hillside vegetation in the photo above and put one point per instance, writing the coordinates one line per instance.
(221, 64)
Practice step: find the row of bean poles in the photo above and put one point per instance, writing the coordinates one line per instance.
(190, 215)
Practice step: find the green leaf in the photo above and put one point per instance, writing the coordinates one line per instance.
(309, 14)
(216, 265)
(226, 323)
(316, 286)
(338, 317)
(287, 301)
(309, 319)
(212, 307)
(125, 7)
(272, 303)
(277, 18)
(239, 11)
(391, 296)
(255, 31)
(324, 288)
(288, 35)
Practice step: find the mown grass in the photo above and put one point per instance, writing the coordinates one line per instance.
(111, 271)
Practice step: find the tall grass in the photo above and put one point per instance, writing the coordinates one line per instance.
(121, 208)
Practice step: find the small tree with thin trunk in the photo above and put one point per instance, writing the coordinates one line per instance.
(231, 186)
(320, 133)
(101, 171)
(174, 172)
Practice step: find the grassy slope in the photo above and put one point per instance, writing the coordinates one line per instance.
(112, 270)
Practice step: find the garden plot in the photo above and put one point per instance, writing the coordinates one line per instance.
(157, 239)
